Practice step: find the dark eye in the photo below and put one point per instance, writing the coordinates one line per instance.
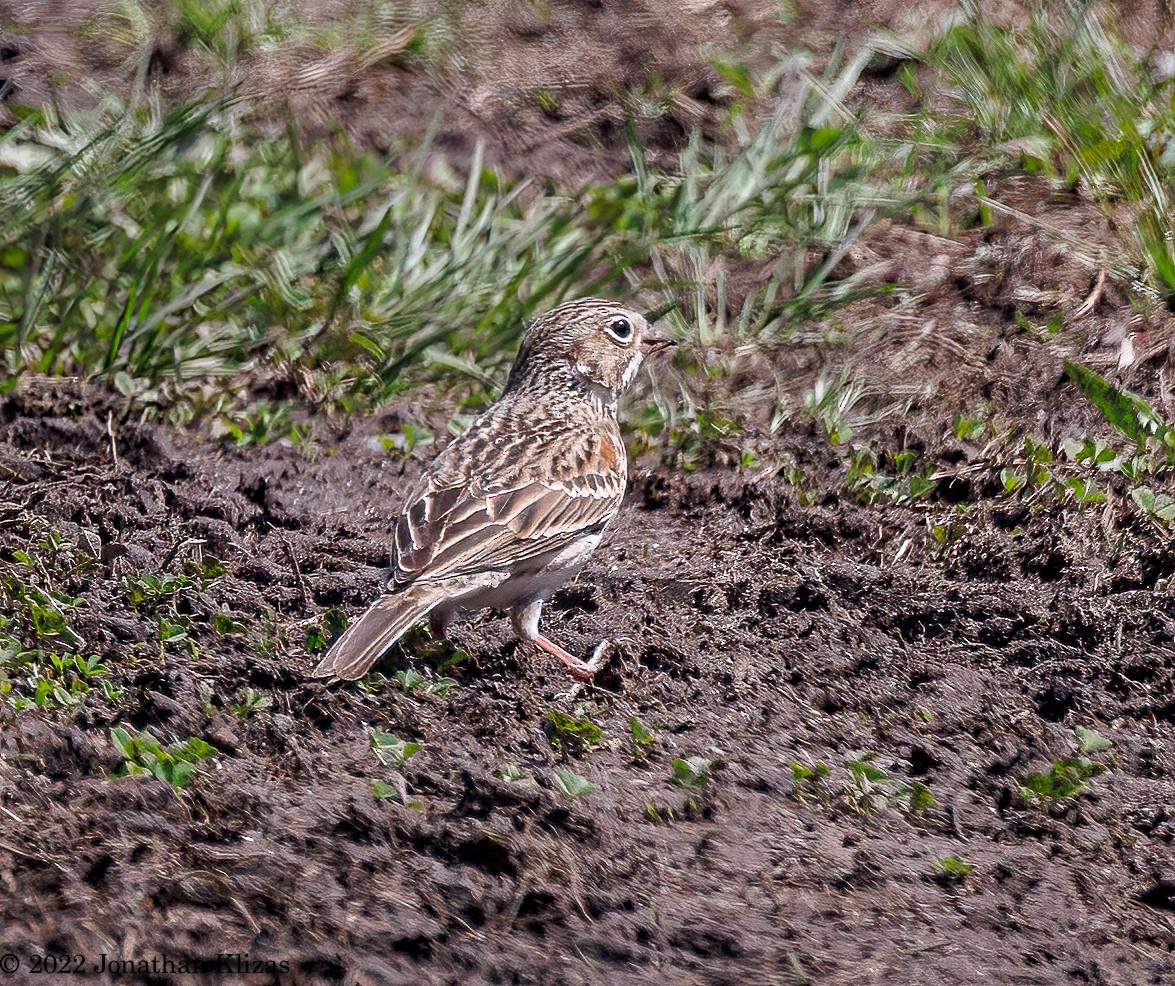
(620, 329)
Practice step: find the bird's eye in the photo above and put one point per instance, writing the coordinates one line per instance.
(620, 329)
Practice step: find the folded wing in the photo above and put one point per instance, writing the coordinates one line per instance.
(452, 533)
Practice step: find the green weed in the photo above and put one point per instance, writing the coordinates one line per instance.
(692, 438)
(692, 772)
(864, 793)
(868, 477)
(572, 784)
(407, 439)
(1127, 412)
(831, 403)
(43, 659)
(226, 625)
(424, 683)
(152, 592)
(393, 752)
(642, 736)
(324, 630)
(251, 700)
(175, 764)
(951, 869)
(513, 774)
(1160, 506)
(660, 815)
(810, 781)
(571, 734)
(869, 788)
(390, 750)
(47, 679)
(262, 423)
(1067, 777)
(967, 429)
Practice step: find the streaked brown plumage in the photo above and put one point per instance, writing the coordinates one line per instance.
(512, 509)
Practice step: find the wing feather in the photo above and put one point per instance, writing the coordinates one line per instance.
(477, 534)
(491, 500)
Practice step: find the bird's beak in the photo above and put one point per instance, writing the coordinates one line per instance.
(651, 345)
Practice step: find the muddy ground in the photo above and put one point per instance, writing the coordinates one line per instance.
(548, 89)
(748, 629)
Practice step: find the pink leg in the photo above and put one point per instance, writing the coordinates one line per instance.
(580, 670)
(526, 625)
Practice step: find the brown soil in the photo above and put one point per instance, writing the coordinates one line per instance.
(546, 88)
(748, 630)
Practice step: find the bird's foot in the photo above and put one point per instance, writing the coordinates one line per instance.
(592, 666)
(599, 655)
(580, 670)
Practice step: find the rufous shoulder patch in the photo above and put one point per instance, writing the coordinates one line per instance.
(611, 456)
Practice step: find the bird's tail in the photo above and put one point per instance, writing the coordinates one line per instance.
(372, 635)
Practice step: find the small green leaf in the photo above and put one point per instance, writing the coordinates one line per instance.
(224, 624)
(382, 789)
(390, 750)
(864, 771)
(692, 771)
(640, 735)
(1158, 505)
(122, 742)
(194, 748)
(571, 784)
(1090, 740)
(513, 774)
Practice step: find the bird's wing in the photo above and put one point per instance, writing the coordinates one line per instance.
(450, 532)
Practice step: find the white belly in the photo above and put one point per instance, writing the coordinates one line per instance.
(535, 579)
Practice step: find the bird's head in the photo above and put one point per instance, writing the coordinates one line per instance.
(592, 344)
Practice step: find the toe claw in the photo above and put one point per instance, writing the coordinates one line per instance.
(599, 655)
(586, 670)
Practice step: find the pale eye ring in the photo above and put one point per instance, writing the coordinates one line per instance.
(620, 329)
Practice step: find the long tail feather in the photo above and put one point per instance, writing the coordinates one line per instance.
(372, 635)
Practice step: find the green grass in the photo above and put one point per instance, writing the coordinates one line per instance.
(212, 267)
(184, 254)
(176, 763)
(164, 250)
(1065, 97)
(227, 37)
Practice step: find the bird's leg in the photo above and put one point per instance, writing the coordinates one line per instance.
(526, 625)
(580, 670)
(438, 622)
(600, 653)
